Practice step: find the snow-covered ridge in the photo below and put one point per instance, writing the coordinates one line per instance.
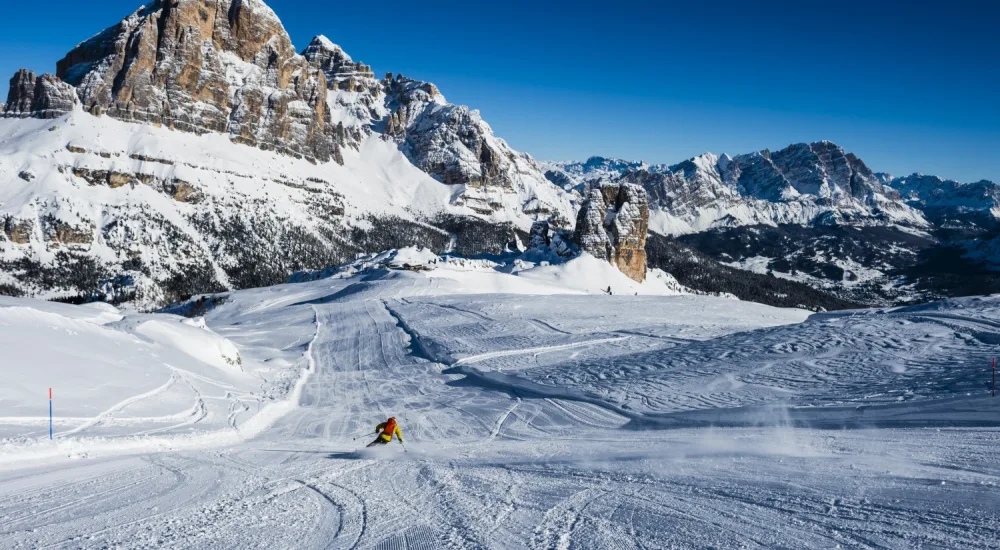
(816, 183)
(532, 272)
(947, 201)
(162, 208)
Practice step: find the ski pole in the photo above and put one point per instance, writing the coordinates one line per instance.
(360, 435)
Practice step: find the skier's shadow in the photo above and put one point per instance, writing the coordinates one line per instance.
(348, 455)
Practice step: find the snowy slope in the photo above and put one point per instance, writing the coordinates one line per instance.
(181, 213)
(565, 420)
(116, 374)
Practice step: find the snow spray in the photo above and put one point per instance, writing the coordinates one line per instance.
(50, 414)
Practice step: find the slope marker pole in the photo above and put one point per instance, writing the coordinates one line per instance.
(50, 414)
(994, 377)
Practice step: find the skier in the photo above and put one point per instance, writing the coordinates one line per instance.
(388, 428)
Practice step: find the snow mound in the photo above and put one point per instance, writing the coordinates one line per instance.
(118, 374)
(199, 342)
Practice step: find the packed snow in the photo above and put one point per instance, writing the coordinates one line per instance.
(533, 414)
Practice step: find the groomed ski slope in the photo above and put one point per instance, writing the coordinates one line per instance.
(559, 420)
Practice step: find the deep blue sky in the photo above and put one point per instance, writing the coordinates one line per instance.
(908, 86)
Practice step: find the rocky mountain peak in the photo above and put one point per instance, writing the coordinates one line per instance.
(207, 66)
(341, 71)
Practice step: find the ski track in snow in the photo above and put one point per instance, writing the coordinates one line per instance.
(617, 445)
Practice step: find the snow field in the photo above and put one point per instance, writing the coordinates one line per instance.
(558, 421)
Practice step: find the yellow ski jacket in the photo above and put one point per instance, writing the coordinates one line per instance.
(388, 429)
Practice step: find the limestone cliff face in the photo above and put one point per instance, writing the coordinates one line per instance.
(612, 225)
(207, 65)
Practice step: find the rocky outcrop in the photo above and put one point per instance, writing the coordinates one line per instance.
(182, 191)
(342, 72)
(538, 237)
(212, 65)
(59, 232)
(18, 231)
(42, 96)
(612, 225)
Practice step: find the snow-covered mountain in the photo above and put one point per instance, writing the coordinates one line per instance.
(574, 175)
(816, 214)
(807, 184)
(948, 203)
(190, 148)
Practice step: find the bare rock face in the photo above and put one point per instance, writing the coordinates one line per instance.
(591, 235)
(342, 72)
(207, 65)
(18, 231)
(539, 235)
(42, 96)
(59, 232)
(612, 225)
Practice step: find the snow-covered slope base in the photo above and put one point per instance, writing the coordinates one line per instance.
(532, 272)
(130, 375)
(550, 421)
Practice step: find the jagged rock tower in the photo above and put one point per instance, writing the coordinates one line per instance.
(612, 225)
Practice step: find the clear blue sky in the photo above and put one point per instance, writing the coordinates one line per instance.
(909, 86)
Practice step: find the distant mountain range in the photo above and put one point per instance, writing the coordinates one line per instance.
(818, 214)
